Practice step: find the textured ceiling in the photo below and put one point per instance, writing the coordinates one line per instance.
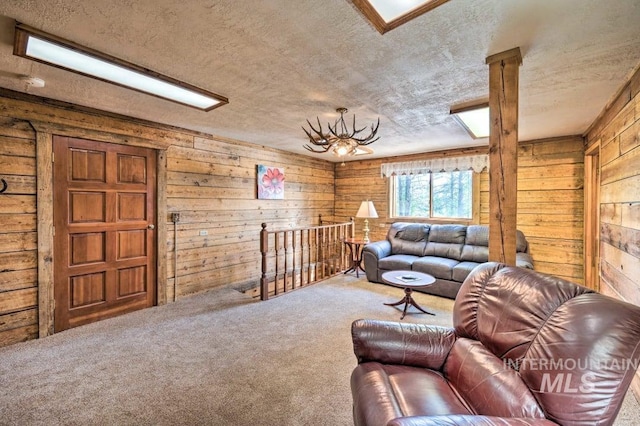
(280, 62)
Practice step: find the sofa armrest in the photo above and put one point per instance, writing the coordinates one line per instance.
(524, 260)
(379, 249)
(389, 342)
(469, 420)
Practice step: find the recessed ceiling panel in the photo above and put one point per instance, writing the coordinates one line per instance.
(386, 15)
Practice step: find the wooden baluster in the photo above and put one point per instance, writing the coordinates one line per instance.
(308, 255)
(286, 261)
(302, 265)
(293, 272)
(330, 251)
(317, 257)
(343, 233)
(335, 261)
(327, 252)
(264, 247)
(302, 283)
(276, 244)
(321, 243)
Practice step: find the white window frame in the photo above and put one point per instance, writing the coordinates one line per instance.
(475, 204)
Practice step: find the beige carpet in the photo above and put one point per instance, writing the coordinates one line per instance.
(217, 358)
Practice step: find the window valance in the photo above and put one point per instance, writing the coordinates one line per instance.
(477, 163)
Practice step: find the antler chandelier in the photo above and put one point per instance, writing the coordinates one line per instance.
(340, 140)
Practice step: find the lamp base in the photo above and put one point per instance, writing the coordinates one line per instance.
(366, 231)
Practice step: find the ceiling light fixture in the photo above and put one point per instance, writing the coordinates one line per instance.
(340, 140)
(48, 49)
(474, 118)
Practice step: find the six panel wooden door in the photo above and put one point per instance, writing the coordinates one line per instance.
(104, 218)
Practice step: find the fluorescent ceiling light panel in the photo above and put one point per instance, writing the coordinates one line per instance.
(390, 10)
(475, 120)
(51, 50)
(386, 15)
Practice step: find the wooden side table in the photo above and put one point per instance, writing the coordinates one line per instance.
(355, 246)
(408, 280)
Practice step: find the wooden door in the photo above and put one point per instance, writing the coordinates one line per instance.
(104, 218)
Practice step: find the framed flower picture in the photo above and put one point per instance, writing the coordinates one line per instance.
(270, 183)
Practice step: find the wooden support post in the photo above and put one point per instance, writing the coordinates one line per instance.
(503, 154)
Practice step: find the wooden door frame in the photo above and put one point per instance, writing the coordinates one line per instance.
(591, 240)
(44, 212)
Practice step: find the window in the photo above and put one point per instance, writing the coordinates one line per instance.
(447, 195)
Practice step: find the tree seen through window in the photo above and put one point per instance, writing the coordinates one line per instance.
(437, 195)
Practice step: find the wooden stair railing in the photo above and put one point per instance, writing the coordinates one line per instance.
(294, 258)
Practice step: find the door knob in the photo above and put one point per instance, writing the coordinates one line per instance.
(151, 226)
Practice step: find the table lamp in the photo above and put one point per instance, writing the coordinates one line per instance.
(366, 211)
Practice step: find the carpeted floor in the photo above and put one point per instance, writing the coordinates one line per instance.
(216, 358)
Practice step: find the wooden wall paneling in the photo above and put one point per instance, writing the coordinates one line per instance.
(14, 241)
(213, 187)
(18, 300)
(630, 137)
(550, 203)
(621, 167)
(18, 236)
(617, 131)
(18, 326)
(550, 200)
(210, 181)
(504, 71)
(61, 115)
(17, 165)
(18, 279)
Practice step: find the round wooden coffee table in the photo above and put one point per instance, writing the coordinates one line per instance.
(408, 280)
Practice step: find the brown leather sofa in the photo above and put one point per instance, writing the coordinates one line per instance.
(526, 349)
(447, 252)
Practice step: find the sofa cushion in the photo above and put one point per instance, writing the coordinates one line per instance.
(397, 262)
(408, 238)
(439, 267)
(446, 241)
(462, 270)
(384, 392)
(477, 254)
(477, 235)
(488, 384)
(476, 245)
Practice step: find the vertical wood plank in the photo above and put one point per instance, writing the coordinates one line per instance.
(44, 203)
(592, 217)
(503, 154)
(161, 221)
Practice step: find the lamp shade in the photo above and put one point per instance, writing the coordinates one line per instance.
(367, 210)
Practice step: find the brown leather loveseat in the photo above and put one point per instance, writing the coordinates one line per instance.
(526, 349)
